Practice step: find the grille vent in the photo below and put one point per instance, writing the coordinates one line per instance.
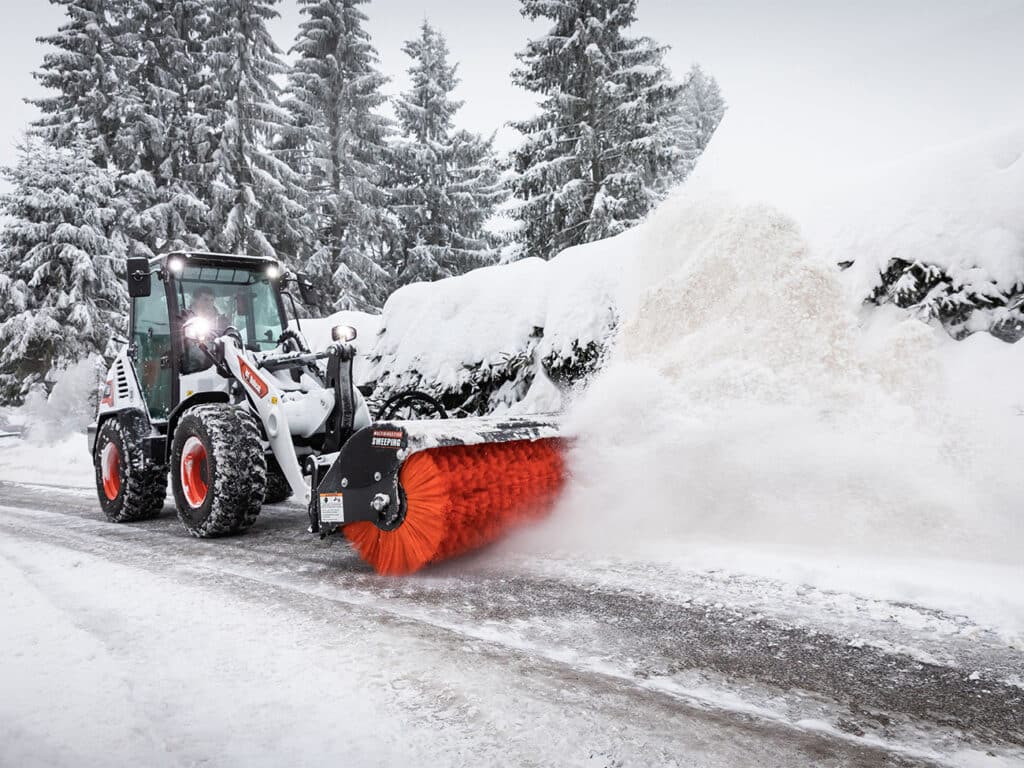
(121, 381)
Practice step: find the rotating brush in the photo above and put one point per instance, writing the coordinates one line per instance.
(460, 498)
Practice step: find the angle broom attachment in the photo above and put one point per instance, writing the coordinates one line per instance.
(460, 498)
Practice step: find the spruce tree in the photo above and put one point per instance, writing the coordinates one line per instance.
(339, 141)
(445, 183)
(61, 255)
(82, 77)
(608, 142)
(164, 143)
(703, 108)
(254, 205)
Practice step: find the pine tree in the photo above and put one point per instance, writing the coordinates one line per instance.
(703, 108)
(608, 142)
(445, 182)
(165, 142)
(339, 141)
(61, 254)
(82, 77)
(254, 192)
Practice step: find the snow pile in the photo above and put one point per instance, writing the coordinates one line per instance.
(744, 405)
(958, 207)
(940, 233)
(480, 341)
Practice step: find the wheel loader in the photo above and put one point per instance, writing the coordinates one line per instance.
(217, 388)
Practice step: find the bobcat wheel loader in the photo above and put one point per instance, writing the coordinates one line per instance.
(215, 390)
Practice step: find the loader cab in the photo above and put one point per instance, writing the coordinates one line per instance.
(239, 292)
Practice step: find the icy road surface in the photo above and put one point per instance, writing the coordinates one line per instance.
(136, 644)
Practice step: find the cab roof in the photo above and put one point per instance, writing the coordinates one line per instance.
(209, 259)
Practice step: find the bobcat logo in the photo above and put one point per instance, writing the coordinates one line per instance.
(254, 382)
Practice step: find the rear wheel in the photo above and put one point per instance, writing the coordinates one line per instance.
(278, 488)
(218, 470)
(129, 488)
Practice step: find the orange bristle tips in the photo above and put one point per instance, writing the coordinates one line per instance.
(460, 498)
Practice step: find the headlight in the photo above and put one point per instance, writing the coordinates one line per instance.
(343, 333)
(197, 328)
(273, 271)
(176, 264)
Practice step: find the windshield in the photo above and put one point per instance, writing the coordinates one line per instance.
(243, 298)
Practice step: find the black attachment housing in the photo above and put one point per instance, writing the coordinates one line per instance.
(366, 470)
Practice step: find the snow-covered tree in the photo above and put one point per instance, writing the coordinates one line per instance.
(82, 78)
(61, 252)
(254, 192)
(703, 106)
(445, 181)
(608, 142)
(339, 144)
(164, 142)
(701, 110)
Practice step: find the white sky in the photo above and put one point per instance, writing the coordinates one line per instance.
(810, 84)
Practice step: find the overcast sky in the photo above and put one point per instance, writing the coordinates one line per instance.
(821, 82)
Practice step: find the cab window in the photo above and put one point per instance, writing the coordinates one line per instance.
(244, 299)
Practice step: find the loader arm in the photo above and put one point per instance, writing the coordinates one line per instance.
(282, 413)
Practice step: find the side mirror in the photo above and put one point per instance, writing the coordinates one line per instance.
(343, 333)
(309, 293)
(140, 281)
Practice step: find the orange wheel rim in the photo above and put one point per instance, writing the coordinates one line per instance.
(195, 472)
(110, 469)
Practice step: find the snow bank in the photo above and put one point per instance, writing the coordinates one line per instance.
(940, 232)
(959, 207)
(480, 340)
(65, 461)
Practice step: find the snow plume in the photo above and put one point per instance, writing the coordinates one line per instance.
(69, 407)
(743, 404)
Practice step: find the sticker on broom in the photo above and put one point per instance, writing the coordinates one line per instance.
(387, 438)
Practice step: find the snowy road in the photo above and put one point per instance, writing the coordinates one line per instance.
(138, 643)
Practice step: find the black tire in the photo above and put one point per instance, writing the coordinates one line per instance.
(411, 405)
(291, 340)
(278, 489)
(134, 490)
(226, 463)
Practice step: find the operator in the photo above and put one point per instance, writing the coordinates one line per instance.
(203, 306)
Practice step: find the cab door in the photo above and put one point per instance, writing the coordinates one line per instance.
(151, 338)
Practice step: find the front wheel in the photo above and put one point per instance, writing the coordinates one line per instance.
(218, 470)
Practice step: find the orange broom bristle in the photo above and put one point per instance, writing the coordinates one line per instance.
(460, 498)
